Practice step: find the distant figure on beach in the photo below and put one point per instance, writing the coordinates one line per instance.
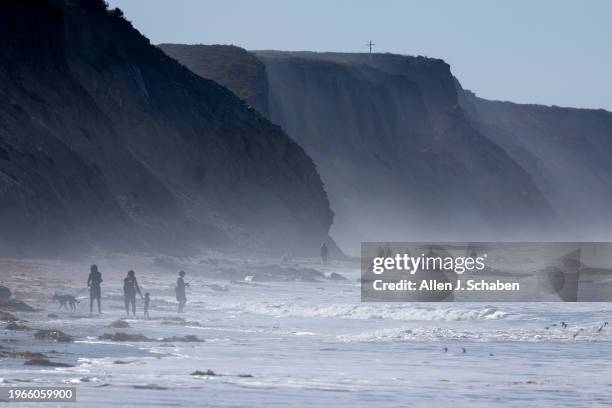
(324, 253)
(130, 288)
(95, 290)
(147, 302)
(181, 296)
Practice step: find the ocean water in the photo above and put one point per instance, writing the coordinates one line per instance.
(315, 344)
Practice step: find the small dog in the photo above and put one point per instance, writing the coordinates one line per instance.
(65, 301)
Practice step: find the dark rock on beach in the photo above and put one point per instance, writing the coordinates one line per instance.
(171, 320)
(121, 336)
(179, 322)
(187, 339)
(336, 277)
(53, 334)
(154, 387)
(15, 305)
(119, 324)
(207, 373)
(17, 326)
(28, 355)
(45, 363)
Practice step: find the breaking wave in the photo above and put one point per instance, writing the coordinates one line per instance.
(361, 311)
(441, 334)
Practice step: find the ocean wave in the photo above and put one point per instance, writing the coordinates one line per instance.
(366, 312)
(404, 334)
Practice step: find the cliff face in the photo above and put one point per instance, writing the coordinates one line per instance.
(105, 141)
(233, 67)
(566, 150)
(399, 156)
(397, 152)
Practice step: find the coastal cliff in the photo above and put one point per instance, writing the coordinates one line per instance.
(107, 142)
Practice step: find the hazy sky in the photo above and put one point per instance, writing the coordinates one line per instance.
(554, 52)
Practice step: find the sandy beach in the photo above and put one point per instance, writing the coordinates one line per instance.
(295, 336)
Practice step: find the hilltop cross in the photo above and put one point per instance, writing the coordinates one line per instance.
(370, 45)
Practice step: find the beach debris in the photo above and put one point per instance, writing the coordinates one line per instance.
(245, 375)
(53, 334)
(119, 324)
(45, 363)
(207, 373)
(601, 327)
(336, 277)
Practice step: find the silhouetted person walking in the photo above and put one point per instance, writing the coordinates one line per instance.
(181, 296)
(130, 288)
(94, 283)
(324, 252)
